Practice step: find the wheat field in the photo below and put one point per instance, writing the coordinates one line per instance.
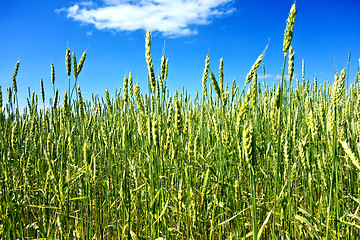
(251, 162)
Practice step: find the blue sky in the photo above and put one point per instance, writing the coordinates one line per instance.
(112, 31)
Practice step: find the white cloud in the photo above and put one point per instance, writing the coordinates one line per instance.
(278, 76)
(266, 76)
(87, 3)
(170, 17)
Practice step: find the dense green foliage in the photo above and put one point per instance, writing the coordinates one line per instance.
(264, 162)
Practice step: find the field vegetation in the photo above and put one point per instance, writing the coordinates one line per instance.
(259, 161)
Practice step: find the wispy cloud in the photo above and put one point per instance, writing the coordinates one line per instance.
(278, 76)
(266, 76)
(169, 17)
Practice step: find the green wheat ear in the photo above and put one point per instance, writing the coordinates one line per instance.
(1, 101)
(75, 65)
(263, 69)
(205, 75)
(53, 76)
(55, 99)
(81, 63)
(215, 84)
(247, 143)
(14, 76)
(9, 92)
(178, 117)
(288, 34)
(138, 99)
(42, 90)
(338, 88)
(221, 75)
(125, 87)
(68, 61)
(255, 66)
(130, 84)
(303, 70)
(254, 91)
(350, 154)
(358, 74)
(81, 102)
(149, 62)
(66, 106)
(52, 73)
(291, 63)
(108, 101)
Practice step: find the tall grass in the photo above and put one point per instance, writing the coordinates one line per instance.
(263, 163)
